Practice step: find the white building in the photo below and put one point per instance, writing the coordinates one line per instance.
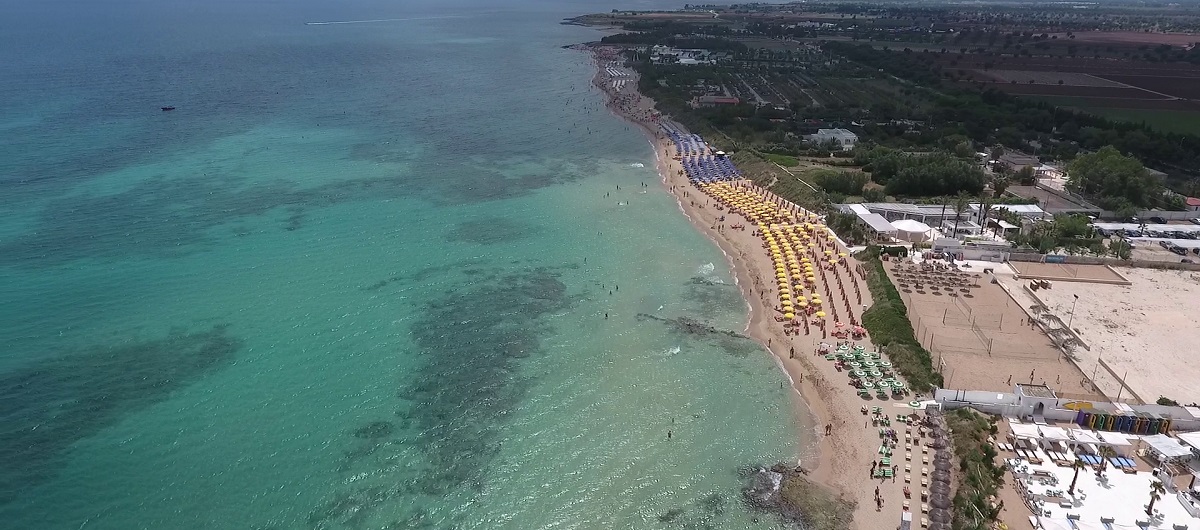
(845, 139)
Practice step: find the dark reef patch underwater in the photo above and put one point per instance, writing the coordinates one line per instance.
(50, 404)
(452, 408)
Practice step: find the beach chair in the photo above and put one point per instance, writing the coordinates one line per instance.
(924, 523)
(830, 356)
(925, 459)
(887, 460)
(907, 468)
(881, 393)
(925, 482)
(863, 392)
(924, 508)
(924, 471)
(908, 456)
(887, 472)
(907, 504)
(908, 479)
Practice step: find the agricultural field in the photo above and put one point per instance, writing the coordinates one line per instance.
(1107, 92)
(1165, 97)
(1184, 120)
(1180, 87)
(1071, 79)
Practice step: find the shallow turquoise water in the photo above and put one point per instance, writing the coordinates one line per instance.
(358, 279)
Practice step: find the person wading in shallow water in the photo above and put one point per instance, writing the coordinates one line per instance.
(668, 435)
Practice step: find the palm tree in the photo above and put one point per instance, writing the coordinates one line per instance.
(1156, 492)
(960, 206)
(1076, 466)
(1000, 183)
(984, 208)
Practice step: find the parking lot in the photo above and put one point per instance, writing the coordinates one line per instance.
(1157, 241)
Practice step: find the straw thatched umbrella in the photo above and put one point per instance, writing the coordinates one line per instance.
(940, 515)
(940, 488)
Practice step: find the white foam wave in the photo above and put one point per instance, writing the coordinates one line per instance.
(637, 164)
(706, 269)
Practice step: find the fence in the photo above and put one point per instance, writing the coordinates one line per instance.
(1107, 381)
(1112, 262)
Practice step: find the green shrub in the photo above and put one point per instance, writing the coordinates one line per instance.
(889, 327)
(981, 477)
(783, 160)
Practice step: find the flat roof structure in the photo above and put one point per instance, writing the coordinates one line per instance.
(1038, 391)
(878, 223)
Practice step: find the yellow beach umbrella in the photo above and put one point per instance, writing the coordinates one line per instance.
(789, 316)
(820, 314)
(816, 301)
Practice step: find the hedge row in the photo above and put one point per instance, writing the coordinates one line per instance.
(887, 322)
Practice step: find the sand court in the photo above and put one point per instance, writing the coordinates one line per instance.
(1068, 272)
(979, 336)
(1143, 334)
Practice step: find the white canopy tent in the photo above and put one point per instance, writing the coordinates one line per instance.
(1113, 438)
(1054, 434)
(1191, 439)
(1024, 430)
(912, 230)
(1084, 437)
(1166, 447)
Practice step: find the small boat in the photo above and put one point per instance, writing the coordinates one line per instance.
(168, 108)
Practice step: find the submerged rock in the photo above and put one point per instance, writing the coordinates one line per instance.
(786, 493)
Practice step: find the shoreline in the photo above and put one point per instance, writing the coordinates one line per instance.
(842, 459)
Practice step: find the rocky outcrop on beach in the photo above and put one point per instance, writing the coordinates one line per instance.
(786, 493)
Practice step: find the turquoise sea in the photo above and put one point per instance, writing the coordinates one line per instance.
(358, 279)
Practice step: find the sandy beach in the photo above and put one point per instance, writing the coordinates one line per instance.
(841, 460)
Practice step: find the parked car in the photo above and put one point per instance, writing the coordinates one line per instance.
(1164, 244)
(1196, 251)
(1195, 220)
(1185, 260)
(1158, 220)
(1179, 250)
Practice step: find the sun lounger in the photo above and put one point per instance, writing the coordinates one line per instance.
(907, 479)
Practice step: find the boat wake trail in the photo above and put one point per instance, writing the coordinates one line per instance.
(374, 21)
